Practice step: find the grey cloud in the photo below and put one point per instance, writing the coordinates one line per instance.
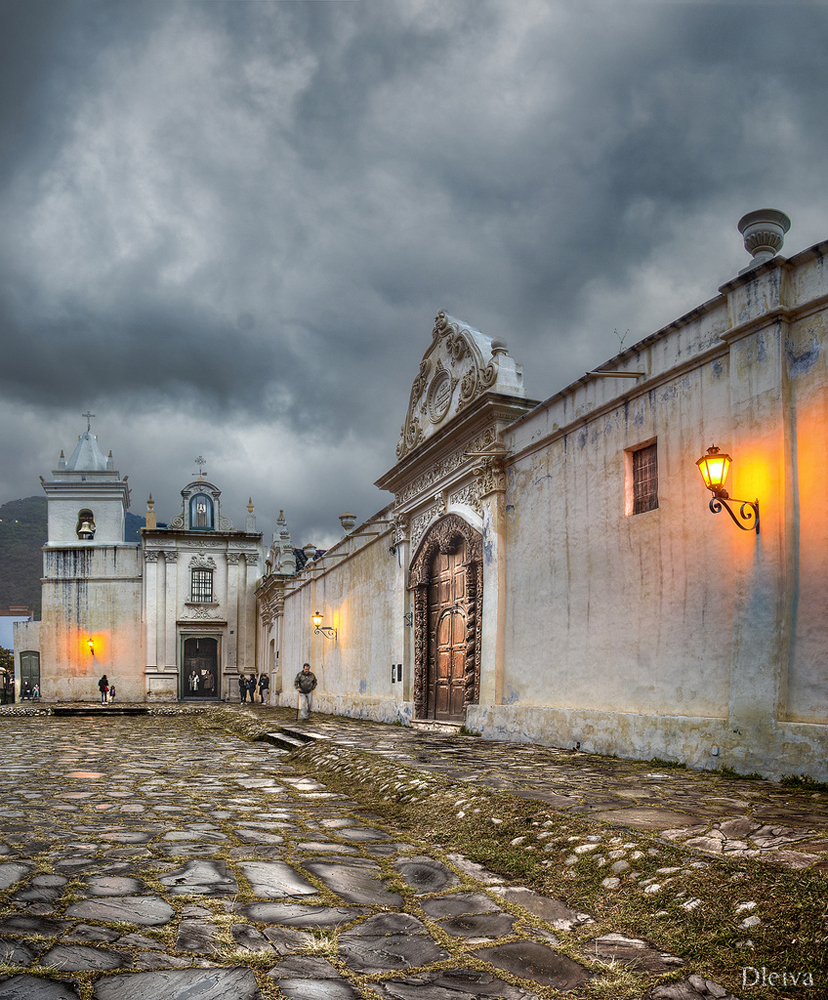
(255, 210)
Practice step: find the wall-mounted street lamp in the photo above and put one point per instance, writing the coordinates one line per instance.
(327, 630)
(713, 468)
(90, 643)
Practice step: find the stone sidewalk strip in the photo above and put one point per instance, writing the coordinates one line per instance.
(142, 859)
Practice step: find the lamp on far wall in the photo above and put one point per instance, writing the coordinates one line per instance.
(327, 630)
(713, 468)
(91, 645)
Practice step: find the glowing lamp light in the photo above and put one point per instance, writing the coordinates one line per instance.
(91, 645)
(319, 629)
(714, 467)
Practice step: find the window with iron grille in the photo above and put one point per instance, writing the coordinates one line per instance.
(202, 586)
(645, 479)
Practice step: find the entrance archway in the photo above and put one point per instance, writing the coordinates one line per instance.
(447, 578)
(199, 667)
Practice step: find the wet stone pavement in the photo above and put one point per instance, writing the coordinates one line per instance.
(704, 811)
(144, 858)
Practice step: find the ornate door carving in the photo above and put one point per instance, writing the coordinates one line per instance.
(447, 577)
(446, 684)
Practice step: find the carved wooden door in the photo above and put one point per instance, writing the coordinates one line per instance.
(445, 698)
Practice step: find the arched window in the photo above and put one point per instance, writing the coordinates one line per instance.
(86, 525)
(201, 512)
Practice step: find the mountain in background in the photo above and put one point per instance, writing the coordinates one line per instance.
(23, 528)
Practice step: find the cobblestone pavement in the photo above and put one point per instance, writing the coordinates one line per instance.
(701, 810)
(142, 858)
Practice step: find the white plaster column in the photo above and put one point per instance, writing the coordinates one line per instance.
(247, 610)
(233, 611)
(402, 543)
(492, 486)
(151, 565)
(171, 610)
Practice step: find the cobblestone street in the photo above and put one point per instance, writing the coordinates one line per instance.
(144, 858)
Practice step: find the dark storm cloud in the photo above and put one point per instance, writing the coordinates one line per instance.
(247, 214)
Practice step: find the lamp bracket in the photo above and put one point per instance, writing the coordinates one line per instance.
(748, 511)
(327, 630)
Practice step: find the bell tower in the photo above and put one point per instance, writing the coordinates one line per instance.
(87, 499)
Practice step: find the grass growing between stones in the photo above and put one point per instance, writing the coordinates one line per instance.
(695, 907)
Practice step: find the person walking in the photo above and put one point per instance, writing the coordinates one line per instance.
(242, 688)
(264, 685)
(103, 687)
(305, 684)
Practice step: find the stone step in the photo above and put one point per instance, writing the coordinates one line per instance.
(282, 740)
(302, 734)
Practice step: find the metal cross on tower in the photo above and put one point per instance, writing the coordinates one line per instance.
(200, 462)
(89, 417)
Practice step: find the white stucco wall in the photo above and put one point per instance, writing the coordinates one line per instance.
(358, 586)
(672, 632)
(91, 593)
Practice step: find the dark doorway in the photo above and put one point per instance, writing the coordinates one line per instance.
(200, 668)
(446, 684)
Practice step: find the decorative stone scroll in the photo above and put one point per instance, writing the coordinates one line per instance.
(201, 561)
(460, 365)
(445, 535)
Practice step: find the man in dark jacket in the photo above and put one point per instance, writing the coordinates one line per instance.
(305, 683)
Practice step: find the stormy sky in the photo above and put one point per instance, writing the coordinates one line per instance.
(226, 227)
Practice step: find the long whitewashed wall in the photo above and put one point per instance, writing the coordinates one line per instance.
(672, 633)
(358, 587)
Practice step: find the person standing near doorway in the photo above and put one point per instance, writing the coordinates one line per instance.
(242, 688)
(305, 683)
(264, 685)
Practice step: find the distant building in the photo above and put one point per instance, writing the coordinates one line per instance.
(7, 620)
(172, 616)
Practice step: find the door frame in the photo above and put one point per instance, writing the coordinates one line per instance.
(182, 680)
(444, 536)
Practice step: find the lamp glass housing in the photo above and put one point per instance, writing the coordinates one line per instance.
(713, 468)
(316, 619)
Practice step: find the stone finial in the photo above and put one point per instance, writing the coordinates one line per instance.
(151, 518)
(347, 521)
(764, 233)
(310, 551)
(250, 520)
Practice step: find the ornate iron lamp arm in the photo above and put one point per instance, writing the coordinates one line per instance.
(748, 512)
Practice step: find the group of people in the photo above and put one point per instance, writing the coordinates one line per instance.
(202, 683)
(248, 685)
(107, 690)
(304, 683)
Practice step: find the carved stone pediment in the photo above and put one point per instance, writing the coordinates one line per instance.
(459, 366)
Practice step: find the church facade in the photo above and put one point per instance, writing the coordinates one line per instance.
(559, 572)
(171, 616)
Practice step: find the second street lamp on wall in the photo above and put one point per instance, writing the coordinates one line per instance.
(713, 468)
(327, 630)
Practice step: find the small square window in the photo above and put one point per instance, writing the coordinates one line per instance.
(644, 479)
